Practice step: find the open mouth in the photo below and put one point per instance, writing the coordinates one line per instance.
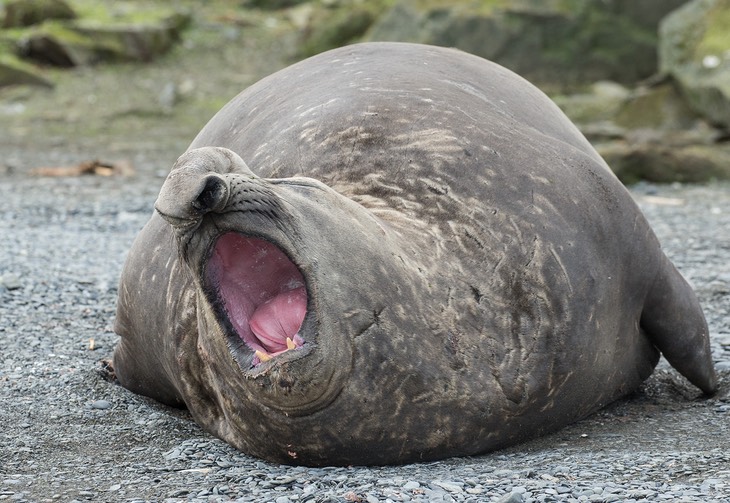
(262, 291)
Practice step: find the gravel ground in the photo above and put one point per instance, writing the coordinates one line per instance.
(68, 434)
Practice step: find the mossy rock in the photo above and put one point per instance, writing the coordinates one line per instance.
(56, 44)
(708, 93)
(13, 71)
(657, 107)
(337, 25)
(694, 32)
(646, 13)
(20, 13)
(142, 41)
(695, 50)
(88, 41)
(556, 44)
(600, 102)
(661, 163)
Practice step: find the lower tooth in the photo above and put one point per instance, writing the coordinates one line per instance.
(264, 357)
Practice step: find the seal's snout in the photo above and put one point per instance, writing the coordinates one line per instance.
(199, 183)
(213, 180)
(186, 197)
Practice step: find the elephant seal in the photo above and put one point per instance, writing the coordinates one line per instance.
(420, 257)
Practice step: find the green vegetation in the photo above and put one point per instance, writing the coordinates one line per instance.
(716, 39)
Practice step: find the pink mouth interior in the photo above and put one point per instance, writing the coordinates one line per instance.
(263, 293)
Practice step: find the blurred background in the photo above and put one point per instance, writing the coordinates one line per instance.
(128, 84)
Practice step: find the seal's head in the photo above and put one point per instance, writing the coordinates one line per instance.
(255, 247)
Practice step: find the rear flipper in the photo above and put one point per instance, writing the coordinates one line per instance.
(673, 320)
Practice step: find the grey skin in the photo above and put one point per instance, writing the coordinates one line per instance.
(475, 274)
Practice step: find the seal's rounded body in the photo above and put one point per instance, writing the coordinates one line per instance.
(425, 259)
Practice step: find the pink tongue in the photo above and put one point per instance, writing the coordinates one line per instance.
(279, 318)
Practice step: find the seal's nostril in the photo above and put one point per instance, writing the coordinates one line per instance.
(213, 196)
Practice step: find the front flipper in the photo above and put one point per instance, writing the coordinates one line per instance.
(673, 320)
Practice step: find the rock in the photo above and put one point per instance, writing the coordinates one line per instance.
(301, 16)
(552, 44)
(694, 49)
(324, 28)
(645, 13)
(657, 107)
(723, 367)
(13, 71)
(665, 162)
(11, 281)
(85, 41)
(29, 12)
(513, 497)
(101, 404)
(57, 45)
(602, 131)
(450, 486)
(601, 102)
(138, 41)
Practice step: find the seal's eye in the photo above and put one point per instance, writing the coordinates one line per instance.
(262, 291)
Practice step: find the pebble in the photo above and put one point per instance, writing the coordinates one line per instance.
(723, 366)
(11, 281)
(514, 497)
(101, 404)
(452, 487)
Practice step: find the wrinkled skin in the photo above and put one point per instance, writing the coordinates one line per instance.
(458, 270)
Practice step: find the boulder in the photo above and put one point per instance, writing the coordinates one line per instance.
(85, 42)
(143, 41)
(13, 71)
(609, 111)
(338, 29)
(20, 13)
(57, 45)
(694, 49)
(658, 107)
(600, 102)
(645, 13)
(649, 133)
(324, 26)
(554, 44)
(664, 162)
